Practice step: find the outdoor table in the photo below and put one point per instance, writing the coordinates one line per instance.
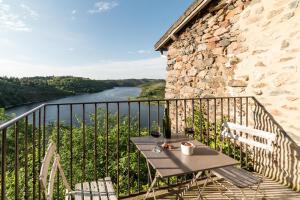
(172, 162)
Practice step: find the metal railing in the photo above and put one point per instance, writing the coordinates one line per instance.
(93, 139)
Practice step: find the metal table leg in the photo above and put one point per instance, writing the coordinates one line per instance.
(153, 182)
(208, 177)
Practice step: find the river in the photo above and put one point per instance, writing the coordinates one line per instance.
(115, 94)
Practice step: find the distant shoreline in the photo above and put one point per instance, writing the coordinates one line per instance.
(26, 91)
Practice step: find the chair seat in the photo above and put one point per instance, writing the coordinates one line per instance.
(96, 190)
(237, 176)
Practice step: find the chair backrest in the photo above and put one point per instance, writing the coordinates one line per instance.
(48, 184)
(231, 131)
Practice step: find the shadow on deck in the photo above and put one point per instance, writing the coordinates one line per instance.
(272, 190)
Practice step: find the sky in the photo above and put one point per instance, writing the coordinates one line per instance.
(98, 39)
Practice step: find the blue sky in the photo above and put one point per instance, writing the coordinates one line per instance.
(99, 39)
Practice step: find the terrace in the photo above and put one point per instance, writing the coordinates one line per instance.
(93, 139)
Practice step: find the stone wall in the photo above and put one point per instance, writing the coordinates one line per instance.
(272, 34)
(243, 48)
(201, 61)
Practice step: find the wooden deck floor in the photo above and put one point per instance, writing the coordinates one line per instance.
(272, 190)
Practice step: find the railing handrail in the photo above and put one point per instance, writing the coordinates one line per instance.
(142, 100)
(16, 119)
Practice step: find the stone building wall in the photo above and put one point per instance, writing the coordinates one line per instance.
(201, 61)
(244, 48)
(241, 48)
(271, 63)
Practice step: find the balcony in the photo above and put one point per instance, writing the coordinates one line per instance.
(93, 139)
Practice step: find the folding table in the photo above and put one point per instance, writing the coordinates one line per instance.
(172, 162)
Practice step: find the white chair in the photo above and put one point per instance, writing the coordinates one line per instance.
(238, 176)
(96, 190)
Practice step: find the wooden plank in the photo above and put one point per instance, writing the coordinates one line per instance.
(247, 141)
(86, 191)
(45, 164)
(51, 178)
(110, 189)
(239, 177)
(78, 192)
(95, 190)
(251, 131)
(102, 189)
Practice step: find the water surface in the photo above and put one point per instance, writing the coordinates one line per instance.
(115, 94)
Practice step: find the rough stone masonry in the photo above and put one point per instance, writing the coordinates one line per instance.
(241, 48)
(244, 48)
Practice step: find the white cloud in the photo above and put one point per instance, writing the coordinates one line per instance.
(29, 11)
(146, 68)
(71, 49)
(11, 21)
(73, 13)
(103, 6)
(6, 42)
(140, 52)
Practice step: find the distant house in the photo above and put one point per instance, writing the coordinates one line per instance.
(238, 48)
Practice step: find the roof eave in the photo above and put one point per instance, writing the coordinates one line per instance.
(190, 13)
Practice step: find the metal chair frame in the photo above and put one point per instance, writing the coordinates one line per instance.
(228, 128)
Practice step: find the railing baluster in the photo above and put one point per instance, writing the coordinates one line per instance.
(139, 153)
(193, 114)
(247, 101)
(176, 110)
(158, 183)
(185, 113)
(26, 180)
(222, 120)
(84, 143)
(208, 124)
(33, 156)
(234, 119)
(201, 122)
(106, 142)
(229, 120)
(71, 145)
(16, 160)
(3, 165)
(44, 137)
(168, 107)
(128, 149)
(58, 145)
(215, 123)
(149, 118)
(44, 131)
(39, 148)
(158, 120)
(118, 145)
(95, 142)
(241, 122)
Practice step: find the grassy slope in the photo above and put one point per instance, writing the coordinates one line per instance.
(153, 90)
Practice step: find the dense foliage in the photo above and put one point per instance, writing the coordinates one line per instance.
(87, 164)
(122, 158)
(15, 91)
(153, 90)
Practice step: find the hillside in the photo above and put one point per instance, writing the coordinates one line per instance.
(15, 91)
(153, 90)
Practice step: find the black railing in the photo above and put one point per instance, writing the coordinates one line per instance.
(93, 140)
